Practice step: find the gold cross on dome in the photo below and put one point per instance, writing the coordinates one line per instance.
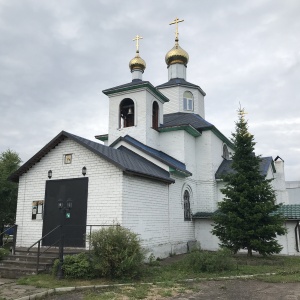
(137, 38)
(176, 21)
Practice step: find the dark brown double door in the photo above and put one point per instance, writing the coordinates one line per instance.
(74, 220)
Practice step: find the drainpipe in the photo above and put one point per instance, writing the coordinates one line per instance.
(297, 236)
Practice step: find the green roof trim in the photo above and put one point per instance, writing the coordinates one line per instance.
(188, 128)
(135, 87)
(178, 172)
(288, 211)
(102, 137)
(203, 215)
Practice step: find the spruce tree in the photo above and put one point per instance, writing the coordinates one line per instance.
(247, 218)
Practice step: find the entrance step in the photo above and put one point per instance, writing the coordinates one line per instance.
(24, 262)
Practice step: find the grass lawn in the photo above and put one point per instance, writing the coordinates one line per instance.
(176, 270)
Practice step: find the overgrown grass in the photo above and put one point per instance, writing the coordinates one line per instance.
(287, 269)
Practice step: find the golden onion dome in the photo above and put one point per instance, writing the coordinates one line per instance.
(177, 55)
(137, 63)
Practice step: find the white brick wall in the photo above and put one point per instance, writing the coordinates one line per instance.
(181, 231)
(104, 191)
(142, 130)
(145, 211)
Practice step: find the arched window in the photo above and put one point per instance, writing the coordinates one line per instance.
(126, 113)
(186, 205)
(155, 111)
(225, 152)
(188, 101)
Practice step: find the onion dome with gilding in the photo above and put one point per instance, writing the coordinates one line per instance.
(137, 63)
(177, 55)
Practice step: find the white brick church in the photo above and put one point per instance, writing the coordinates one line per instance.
(158, 173)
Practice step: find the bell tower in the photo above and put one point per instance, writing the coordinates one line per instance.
(135, 108)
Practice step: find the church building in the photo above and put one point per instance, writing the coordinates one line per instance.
(158, 171)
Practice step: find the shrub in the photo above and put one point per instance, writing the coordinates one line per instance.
(77, 266)
(54, 268)
(117, 252)
(3, 253)
(204, 261)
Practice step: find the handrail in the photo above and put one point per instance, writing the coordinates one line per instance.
(43, 237)
(59, 240)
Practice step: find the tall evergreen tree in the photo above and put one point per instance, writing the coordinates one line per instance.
(247, 218)
(9, 163)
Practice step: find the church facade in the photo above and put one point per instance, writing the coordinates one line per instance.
(158, 171)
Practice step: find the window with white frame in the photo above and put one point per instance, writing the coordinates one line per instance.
(188, 101)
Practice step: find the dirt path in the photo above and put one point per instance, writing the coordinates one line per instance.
(221, 290)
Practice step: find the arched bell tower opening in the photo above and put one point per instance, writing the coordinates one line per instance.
(155, 115)
(126, 113)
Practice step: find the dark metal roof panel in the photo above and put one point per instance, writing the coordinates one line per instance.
(140, 164)
(180, 118)
(180, 82)
(136, 84)
(125, 161)
(161, 156)
(225, 167)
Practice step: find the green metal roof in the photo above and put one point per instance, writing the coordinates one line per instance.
(203, 215)
(290, 211)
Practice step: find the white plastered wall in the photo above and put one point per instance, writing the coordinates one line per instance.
(288, 241)
(207, 240)
(279, 183)
(175, 94)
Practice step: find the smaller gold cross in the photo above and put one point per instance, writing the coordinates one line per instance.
(137, 38)
(176, 21)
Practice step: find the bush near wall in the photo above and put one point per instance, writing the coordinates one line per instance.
(117, 253)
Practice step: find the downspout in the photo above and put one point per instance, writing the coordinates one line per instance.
(296, 235)
(298, 225)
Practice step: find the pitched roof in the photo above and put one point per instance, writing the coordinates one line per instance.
(129, 163)
(189, 121)
(180, 82)
(180, 118)
(136, 84)
(225, 167)
(159, 155)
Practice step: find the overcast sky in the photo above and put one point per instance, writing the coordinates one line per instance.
(57, 56)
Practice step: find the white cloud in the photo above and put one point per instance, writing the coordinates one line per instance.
(57, 56)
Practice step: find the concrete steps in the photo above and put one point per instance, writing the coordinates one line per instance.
(24, 262)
